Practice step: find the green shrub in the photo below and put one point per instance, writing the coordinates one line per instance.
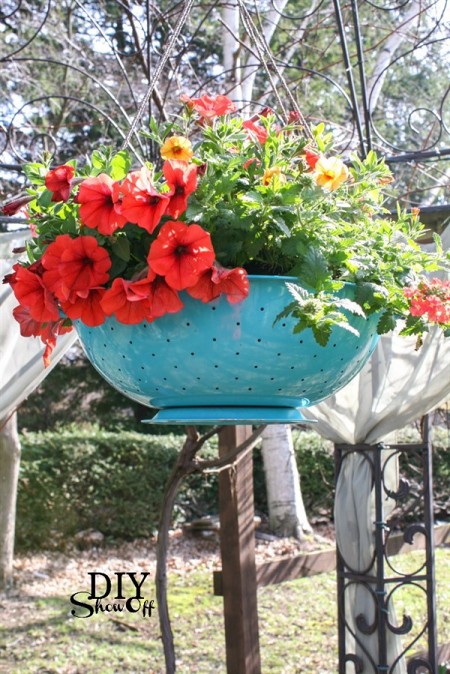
(76, 479)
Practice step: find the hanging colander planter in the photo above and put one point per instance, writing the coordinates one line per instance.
(224, 363)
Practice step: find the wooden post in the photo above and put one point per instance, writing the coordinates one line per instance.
(237, 542)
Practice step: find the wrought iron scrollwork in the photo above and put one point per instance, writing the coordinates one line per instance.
(368, 598)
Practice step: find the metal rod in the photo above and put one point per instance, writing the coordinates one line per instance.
(427, 462)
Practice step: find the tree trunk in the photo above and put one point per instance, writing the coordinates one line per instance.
(9, 474)
(287, 515)
(231, 51)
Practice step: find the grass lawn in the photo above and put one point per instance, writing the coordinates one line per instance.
(38, 634)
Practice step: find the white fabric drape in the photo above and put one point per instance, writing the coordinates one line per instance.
(397, 386)
(21, 365)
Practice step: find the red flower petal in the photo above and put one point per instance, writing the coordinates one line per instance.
(181, 253)
(181, 177)
(74, 266)
(141, 203)
(100, 206)
(87, 309)
(58, 181)
(129, 301)
(30, 291)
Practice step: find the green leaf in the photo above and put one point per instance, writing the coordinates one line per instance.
(322, 333)
(120, 165)
(352, 307)
(314, 269)
(297, 292)
(386, 323)
(282, 226)
(45, 199)
(121, 248)
(97, 160)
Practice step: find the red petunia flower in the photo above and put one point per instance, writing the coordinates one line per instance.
(293, 117)
(86, 308)
(141, 203)
(311, 158)
(48, 332)
(163, 298)
(74, 266)
(129, 301)
(58, 181)
(29, 289)
(249, 162)
(233, 283)
(100, 206)
(256, 131)
(181, 253)
(181, 177)
(209, 107)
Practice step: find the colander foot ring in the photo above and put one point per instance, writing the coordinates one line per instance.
(228, 416)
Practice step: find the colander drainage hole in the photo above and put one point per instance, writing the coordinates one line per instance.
(130, 341)
(216, 366)
(142, 367)
(249, 388)
(261, 308)
(104, 345)
(214, 339)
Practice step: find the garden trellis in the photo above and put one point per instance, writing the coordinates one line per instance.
(365, 122)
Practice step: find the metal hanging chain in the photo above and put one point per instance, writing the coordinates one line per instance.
(266, 56)
(154, 80)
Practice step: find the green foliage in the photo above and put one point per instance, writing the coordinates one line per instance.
(113, 482)
(76, 480)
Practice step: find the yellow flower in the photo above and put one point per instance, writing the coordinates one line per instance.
(330, 173)
(273, 175)
(177, 147)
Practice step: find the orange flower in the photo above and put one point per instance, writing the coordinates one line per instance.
(273, 174)
(330, 173)
(177, 147)
(209, 107)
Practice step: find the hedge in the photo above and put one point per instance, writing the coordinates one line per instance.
(75, 480)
